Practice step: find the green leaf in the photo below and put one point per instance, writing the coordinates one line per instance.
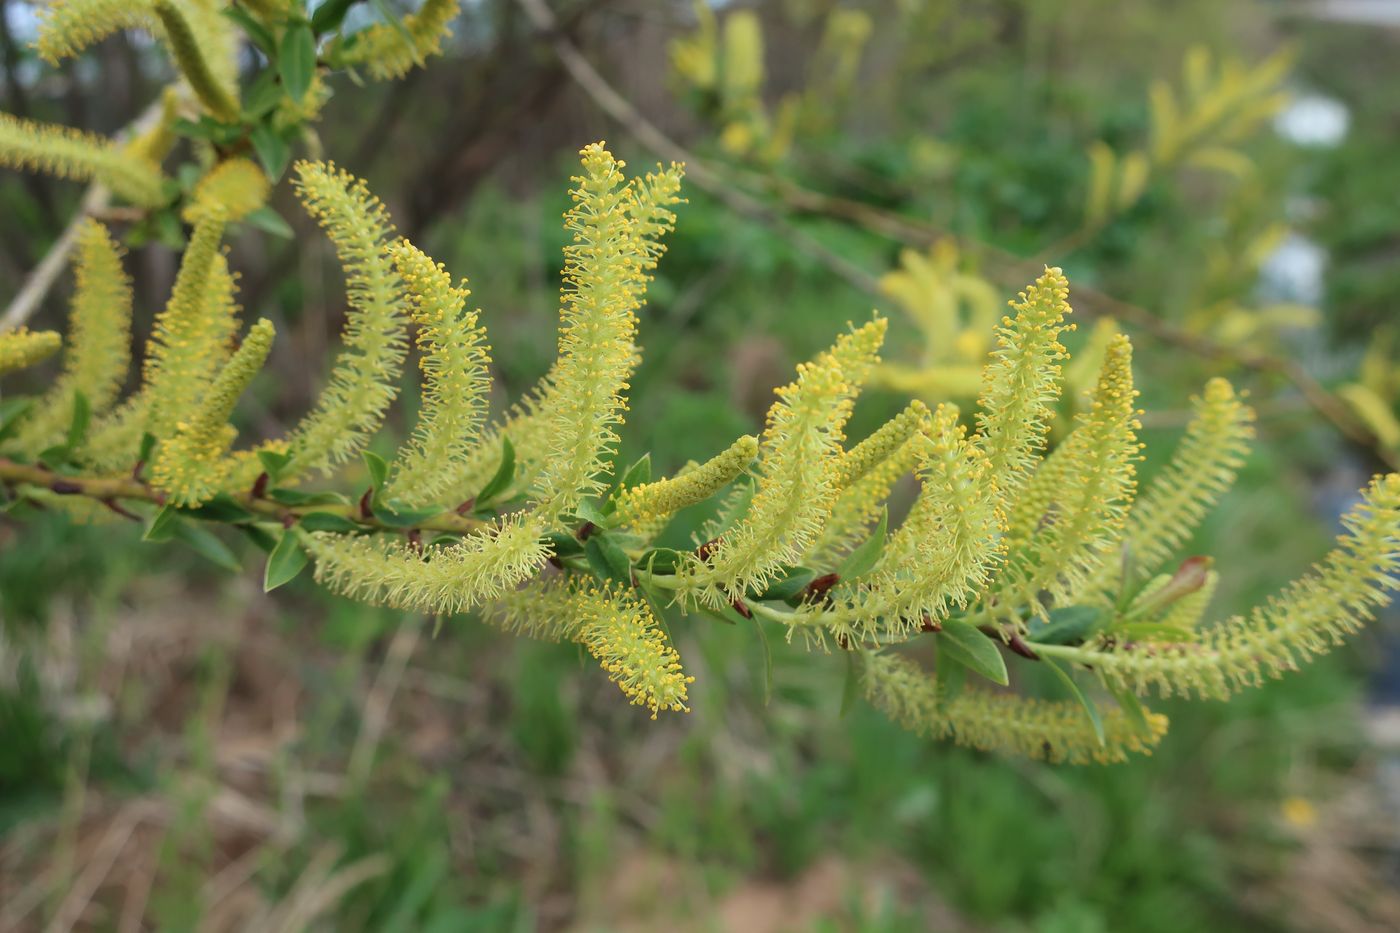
(402, 517)
(1065, 625)
(378, 469)
(11, 410)
(327, 521)
(767, 661)
(55, 456)
(272, 151)
(273, 463)
(148, 445)
(587, 511)
(963, 643)
(662, 560)
(637, 474)
(607, 560)
(264, 541)
(1132, 708)
(296, 59)
(864, 558)
(501, 479)
(563, 544)
(1084, 699)
(295, 497)
(163, 525)
(269, 221)
(330, 15)
(285, 562)
(850, 687)
(949, 681)
(793, 581)
(222, 508)
(207, 545)
(82, 416)
(256, 31)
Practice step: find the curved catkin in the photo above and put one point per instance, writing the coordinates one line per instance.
(795, 490)
(74, 154)
(392, 50)
(1022, 381)
(23, 347)
(455, 379)
(218, 95)
(365, 378)
(193, 465)
(98, 352)
(1095, 480)
(236, 187)
(1055, 731)
(1306, 619)
(1202, 469)
(67, 27)
(650, 503)
(616, 227)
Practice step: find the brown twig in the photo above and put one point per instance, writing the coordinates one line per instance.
(110, 490)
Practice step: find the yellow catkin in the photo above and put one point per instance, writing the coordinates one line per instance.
(364, 380)
(192, 465)
(652, 502)
(67, 27)
(1022, 381)
(795, 492)
(392, 50)
(1307, 619)
(236, 186)
(1048, 730)
(73, 154)
(98, 353)
(617, 629)
(1095, 477)
(212, 88)
(23, 347)
(456, 382)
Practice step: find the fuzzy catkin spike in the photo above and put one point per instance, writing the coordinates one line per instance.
(1022, 381)
(617, 629)
(192, 466)
(217, 97)
(875, 449)
(365, 378)
(392, 50)
(67, 27)
(235, 186)
(446, 579)
(795, 488)
(860, 505)
(1055, 731)
(456, 380)
(73, 154)
(1096, 477)
(938, 560)
(1201, 470)
(99, 333)
(606, 267)
(1307, 619)
(653, 502)
(190, 337)
(24, 347)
